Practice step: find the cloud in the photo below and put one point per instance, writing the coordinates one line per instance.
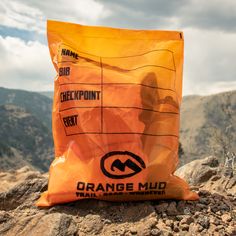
(209, 61)
(21, 16)
(25, 65)
(218, 87)
(31, 15)
(210, 15)
(209, 29)
(201, 14)
(142, 14)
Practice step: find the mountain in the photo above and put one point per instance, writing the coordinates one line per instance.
(25, 130)
(208, 126)
(48, 94)
(36, 104)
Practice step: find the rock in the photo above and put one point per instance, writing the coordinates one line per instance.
(121, 231)
(187, 220)
(215, 177)
(204, 222)
(176, 229)
(181, 206)
(216, 222)
(213, 214)
(4, 217)
(171, 209)
(165, 232)
(169, 223)
(20, 194)
(41, 224)
(11, 179)
(133, 230)
(184, 227)
(91, 224)
(187, 211)
(232, 182)
(195, 229)
(179, 217)
(203, 200)
(204, 193)
(155, 232)
(200, 206)
(199, 171)
(162, 207)
(231, 230)
(219, 227)
(226, 218)
(197, 214)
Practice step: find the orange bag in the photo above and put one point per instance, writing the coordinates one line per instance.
(115, 114)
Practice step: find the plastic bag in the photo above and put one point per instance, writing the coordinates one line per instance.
(115, 113)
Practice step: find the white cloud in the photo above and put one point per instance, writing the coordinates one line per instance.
(209, 61)
(209, 37)
(211, 14)
(32, 14)
(219, 87)
(25, 65)
(21, 16)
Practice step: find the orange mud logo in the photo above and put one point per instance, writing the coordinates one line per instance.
(121, 164)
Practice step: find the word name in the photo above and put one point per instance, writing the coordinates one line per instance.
(67, 52)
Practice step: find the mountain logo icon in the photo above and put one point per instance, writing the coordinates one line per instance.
(121, 164)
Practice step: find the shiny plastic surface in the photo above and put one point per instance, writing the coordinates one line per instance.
(116, 107)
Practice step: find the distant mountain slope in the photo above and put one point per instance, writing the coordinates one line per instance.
(36, 104)
(208, 125)
(48, 94)
(24, 139)
(25, 129)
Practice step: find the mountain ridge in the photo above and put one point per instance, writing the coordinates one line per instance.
(203, 120)
(25, 130)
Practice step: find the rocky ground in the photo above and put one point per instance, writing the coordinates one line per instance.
(213, 214)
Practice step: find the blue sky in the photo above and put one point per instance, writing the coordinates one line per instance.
(209, 28)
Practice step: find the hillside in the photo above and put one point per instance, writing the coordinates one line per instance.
(48, 94)
(208, 125)
(34, 103)
(25, 130)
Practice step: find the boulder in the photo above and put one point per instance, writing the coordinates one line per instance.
(19, 216)
(199, 171)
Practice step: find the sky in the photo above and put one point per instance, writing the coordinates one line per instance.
(209, 31)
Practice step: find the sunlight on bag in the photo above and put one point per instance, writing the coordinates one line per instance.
(117, 97)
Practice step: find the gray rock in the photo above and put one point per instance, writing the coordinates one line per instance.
(172, 210)
(199, 171)
(19, 215)
(155, 232)
(204, 222)
(162, 207)
(187, 220)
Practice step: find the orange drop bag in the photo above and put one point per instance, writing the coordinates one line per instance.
(115, 116)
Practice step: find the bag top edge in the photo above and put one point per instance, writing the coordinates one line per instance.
(111, 32)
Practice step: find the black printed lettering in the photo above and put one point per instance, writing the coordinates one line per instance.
(64, 71)
(70, 120)
(80, 95)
